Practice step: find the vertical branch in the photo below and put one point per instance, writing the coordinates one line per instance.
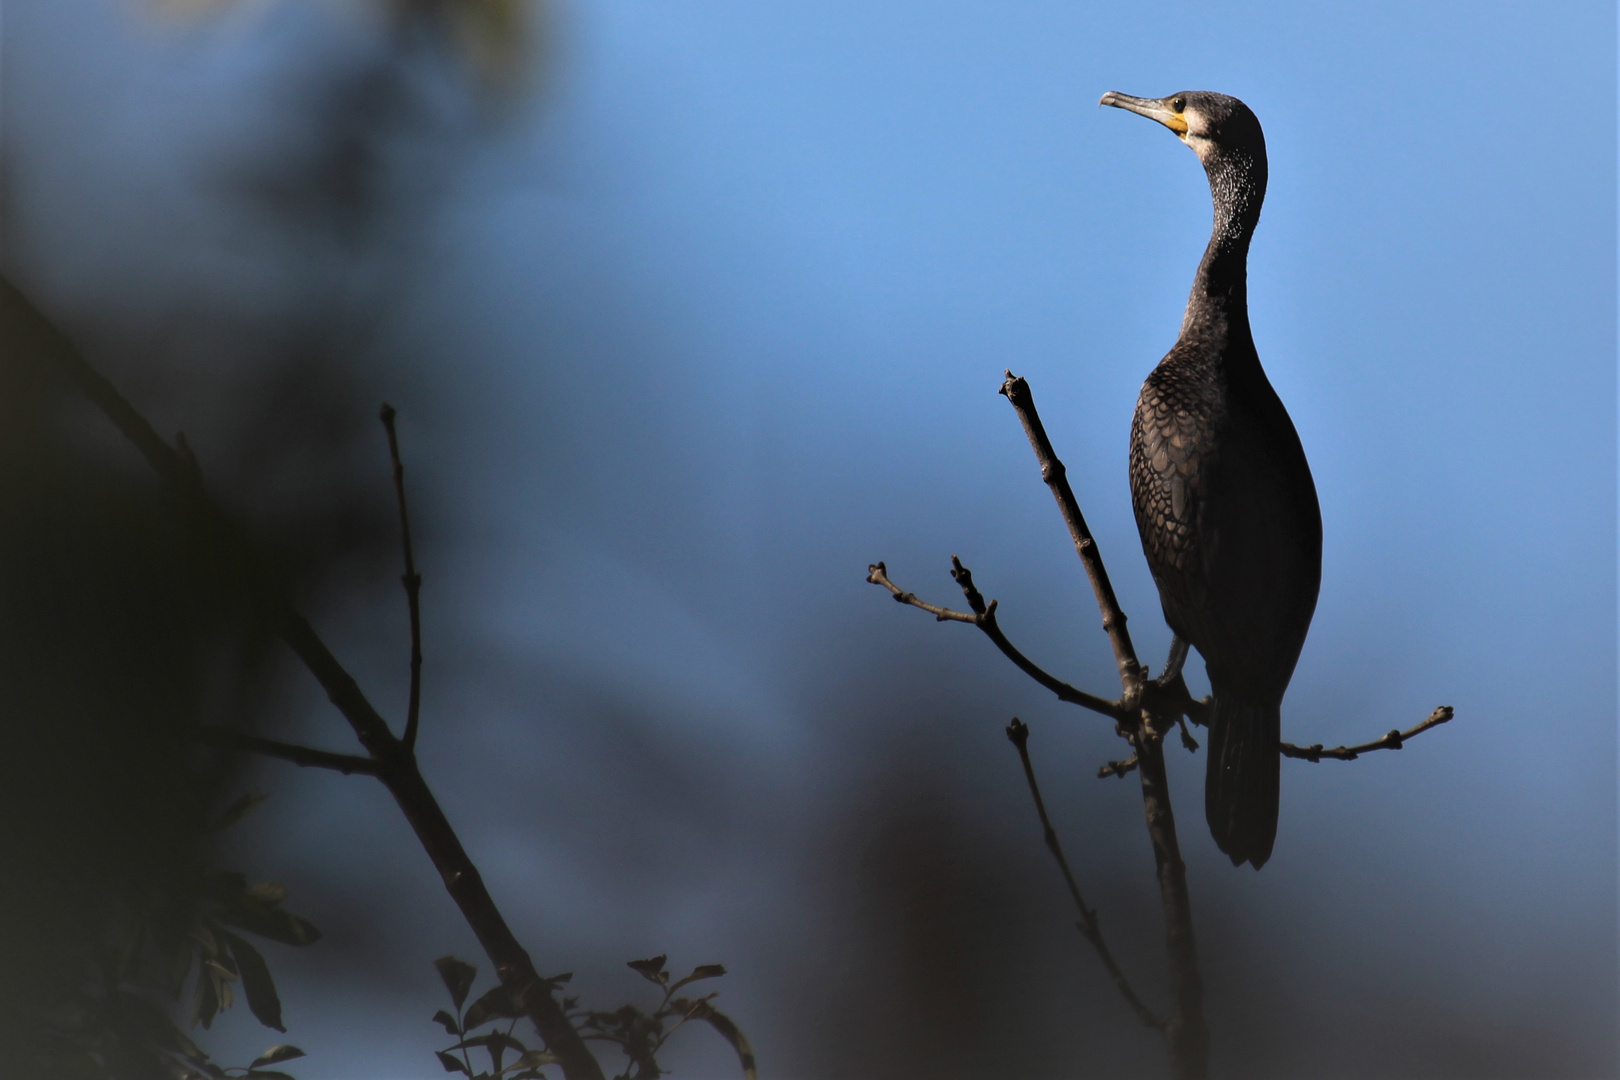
(412, 581)
(1186, 1036)
(1056, 477)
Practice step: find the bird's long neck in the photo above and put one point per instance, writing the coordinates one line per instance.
(1218, 308)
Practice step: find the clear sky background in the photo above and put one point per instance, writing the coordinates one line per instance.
(714, 316)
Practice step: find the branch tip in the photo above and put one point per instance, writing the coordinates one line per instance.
(1396, 739)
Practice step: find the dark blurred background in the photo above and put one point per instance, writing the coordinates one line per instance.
(690, 312)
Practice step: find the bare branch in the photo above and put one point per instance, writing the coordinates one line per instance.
(878, 574)
(1393, 741)
(298, 755)
(1117, 768)
(984, 617)
(412, 581)
(1186, 1034)
(1018, 732)
(1056, 477)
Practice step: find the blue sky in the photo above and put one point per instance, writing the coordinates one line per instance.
(715, 317)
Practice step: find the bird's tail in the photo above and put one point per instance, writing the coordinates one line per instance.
(1241, 787)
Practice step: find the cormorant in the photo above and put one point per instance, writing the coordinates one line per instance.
(1223, 495)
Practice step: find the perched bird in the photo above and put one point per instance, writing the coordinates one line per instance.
(1223, 495)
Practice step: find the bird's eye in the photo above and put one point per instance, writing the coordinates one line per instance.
(1179, 104)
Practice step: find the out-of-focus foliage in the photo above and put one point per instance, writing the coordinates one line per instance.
(121, 631)
(638, 1035)
(495, 38)
(113, 1022)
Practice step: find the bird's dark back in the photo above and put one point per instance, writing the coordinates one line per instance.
(1227, 512)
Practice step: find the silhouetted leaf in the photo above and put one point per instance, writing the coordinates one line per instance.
(651, 970)
(204, 1000)
(268, 893)
(223, 967)
(452, 1063)
(458, 976)
(238, 809)
(267, 1074)
(248, 914)
(276, 1055)
(496, 1003)
(488, 1039)
(702, 971)
(260, 989)
(731, 1033)
(532, 1059)
(449, 1022)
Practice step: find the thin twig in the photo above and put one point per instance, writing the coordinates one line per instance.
(411, 580)
(23, 327)
(1018, 732)
(1393, 741)
(1056, 477)
(298, 755)
(984, 617)
(1117, 768)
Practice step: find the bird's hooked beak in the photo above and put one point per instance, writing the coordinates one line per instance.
(1153, 108)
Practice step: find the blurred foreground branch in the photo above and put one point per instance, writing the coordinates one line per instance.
(388, 758)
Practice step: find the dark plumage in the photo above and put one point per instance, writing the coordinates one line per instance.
(1223, 495)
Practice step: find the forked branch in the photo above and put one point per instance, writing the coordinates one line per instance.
(983, 616)
(308, 756)
(1144, 714)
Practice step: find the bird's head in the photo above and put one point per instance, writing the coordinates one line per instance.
(1214, 125)
(1227, 138)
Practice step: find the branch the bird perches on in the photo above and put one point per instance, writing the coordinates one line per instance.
(1145, 711)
